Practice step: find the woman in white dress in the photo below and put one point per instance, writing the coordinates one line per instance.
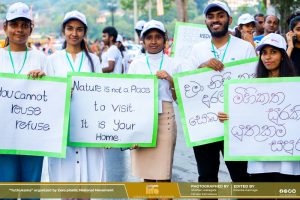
(80, 164)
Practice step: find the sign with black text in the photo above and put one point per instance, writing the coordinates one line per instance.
(264, 119)
(200, 98)
(34, 115)
(185, 37)
(110, 110)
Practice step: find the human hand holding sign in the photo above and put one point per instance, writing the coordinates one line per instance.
(36, 73)
(214, 64)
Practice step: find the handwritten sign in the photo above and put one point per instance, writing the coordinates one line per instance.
(264, 119)
(200, 98)
(109, 110)
(34, 115)
(185, 37)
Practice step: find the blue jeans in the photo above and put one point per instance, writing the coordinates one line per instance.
(20, 168)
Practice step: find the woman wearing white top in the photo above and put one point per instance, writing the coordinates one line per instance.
(155, 164)
(125, 58)
(80, 164)
(273, 62)
(17, 58)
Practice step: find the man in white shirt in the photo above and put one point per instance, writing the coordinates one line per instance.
(222, 48)
(112, 61)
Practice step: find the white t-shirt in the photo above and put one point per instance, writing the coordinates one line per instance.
(113, 54)
(58, 64)
(139, 66)
(125, 62)
(35, 60)
(104, 61)
(237, 49)
(80, 164)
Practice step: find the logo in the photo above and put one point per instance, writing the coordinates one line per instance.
(287, 191)
(152, 189)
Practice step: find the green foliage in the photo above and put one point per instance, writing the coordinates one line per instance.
(143, 6)
(2, 8)
(200, 4)
(192, 10)
(285, 9)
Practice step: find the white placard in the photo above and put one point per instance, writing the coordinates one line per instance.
(34, 116)
(200, 98)
(113, 110)
(185, 37)
(264, 119)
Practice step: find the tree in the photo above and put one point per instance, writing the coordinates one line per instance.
(2, 8)
(200, 5)
(182, 14)
(143, 6)
(285, 9)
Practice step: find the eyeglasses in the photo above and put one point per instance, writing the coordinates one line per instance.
(260, 22)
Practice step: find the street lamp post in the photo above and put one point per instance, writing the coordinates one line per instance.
(112, 6)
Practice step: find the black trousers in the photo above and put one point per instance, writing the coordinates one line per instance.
(208, 162)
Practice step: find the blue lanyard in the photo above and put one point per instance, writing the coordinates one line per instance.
(212, 45)
(160, 65)
(12, 60)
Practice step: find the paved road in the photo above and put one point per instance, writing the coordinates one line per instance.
(184, 168)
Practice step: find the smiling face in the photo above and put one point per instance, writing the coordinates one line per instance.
(271, 58)
(153, 41)
(74, 32)
(217, 22)
(18, 30)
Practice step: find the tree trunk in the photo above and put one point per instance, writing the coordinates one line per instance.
(182, 10)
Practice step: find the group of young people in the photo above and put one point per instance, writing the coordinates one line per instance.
(149, 164)
(88, 164)
(274, 61)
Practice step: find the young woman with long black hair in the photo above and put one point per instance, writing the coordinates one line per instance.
(273, 62)
(80, 164)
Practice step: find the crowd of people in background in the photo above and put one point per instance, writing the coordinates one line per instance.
(253, 36)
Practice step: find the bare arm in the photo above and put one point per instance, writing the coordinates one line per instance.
(110, 68)
(164, 75)
(289, 38)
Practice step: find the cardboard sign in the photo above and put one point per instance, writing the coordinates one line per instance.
(264, 119)
(109, 110)
(34, 115)
(200, 98)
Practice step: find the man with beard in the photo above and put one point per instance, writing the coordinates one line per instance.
(222, 48)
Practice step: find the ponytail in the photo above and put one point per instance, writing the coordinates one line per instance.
(6, 43)
(84, 47)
